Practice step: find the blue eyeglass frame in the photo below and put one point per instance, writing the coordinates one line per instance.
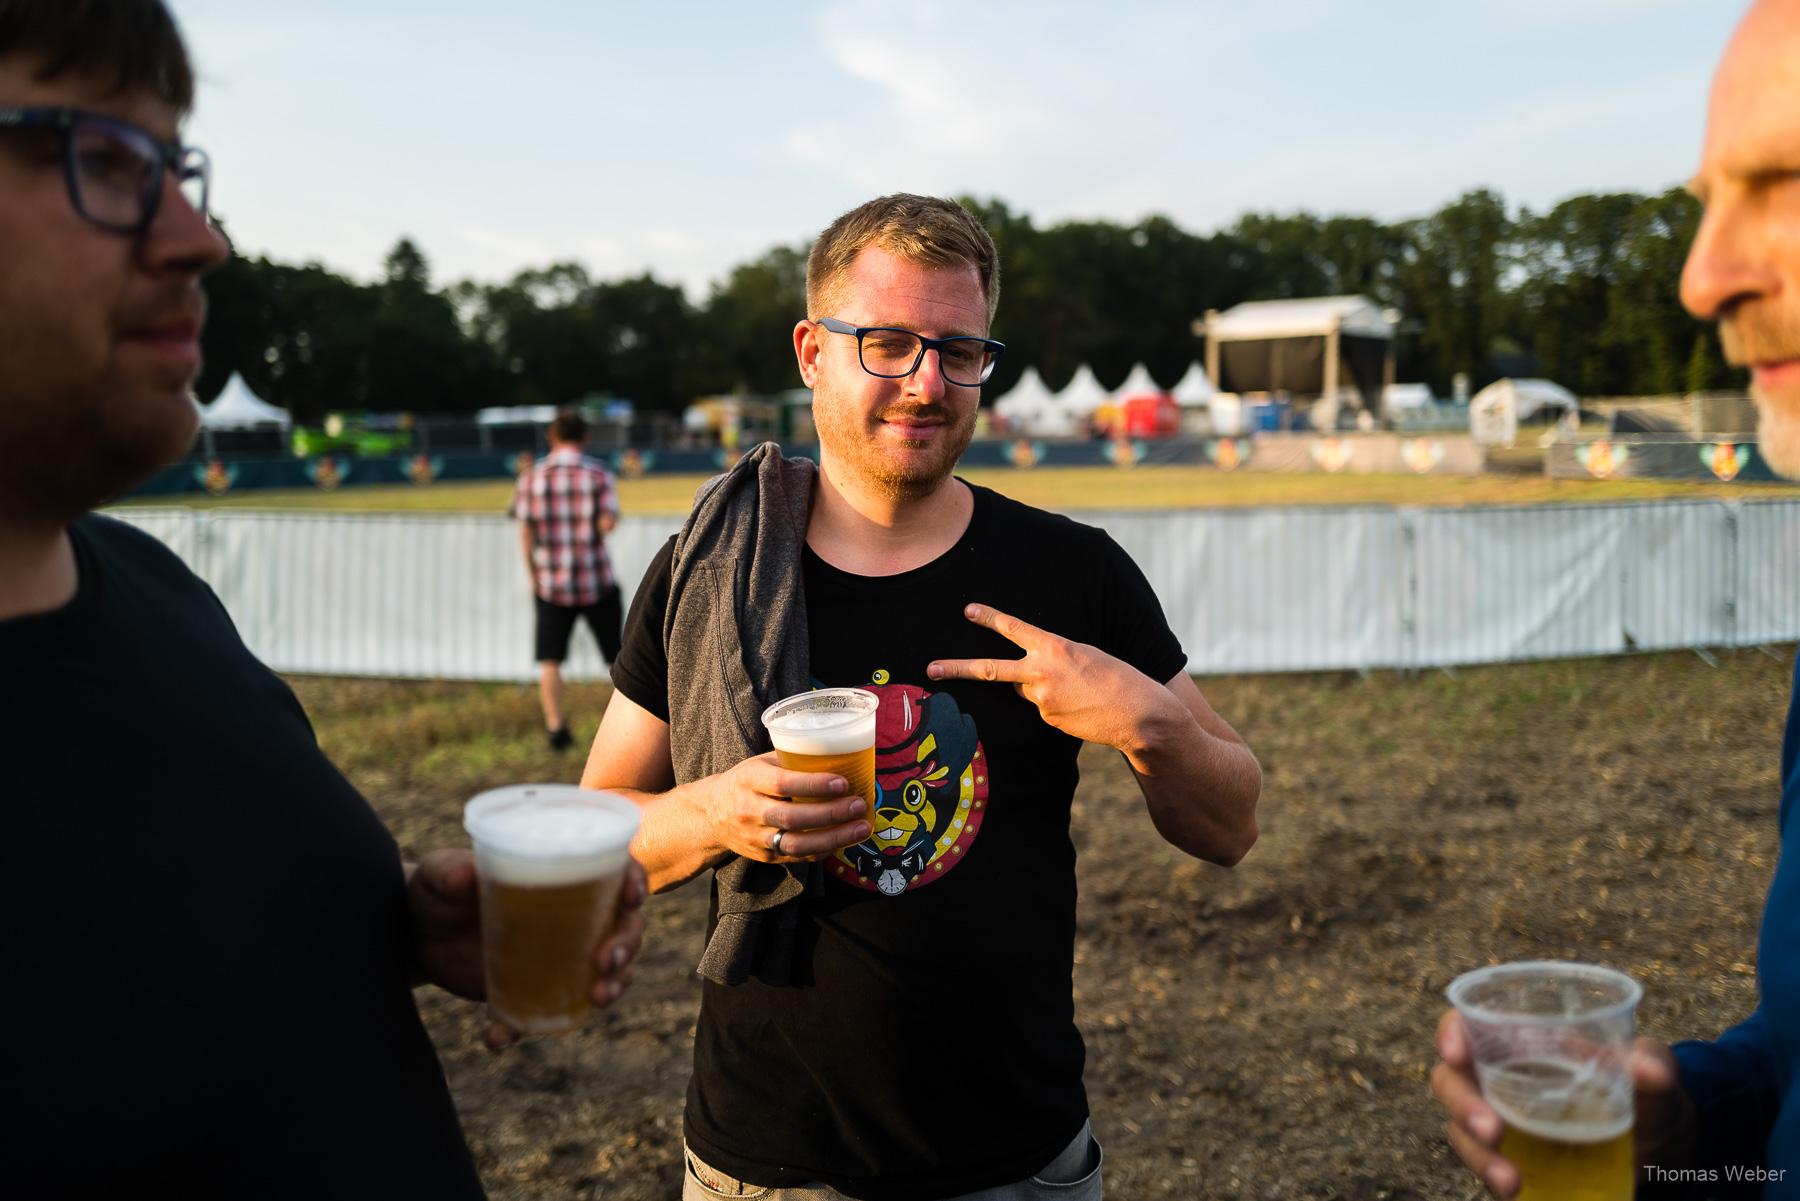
(857, 331)
(184, 162)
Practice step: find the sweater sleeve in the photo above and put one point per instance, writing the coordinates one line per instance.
(1732, 1081)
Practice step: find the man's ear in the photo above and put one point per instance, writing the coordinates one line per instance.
(806, 350)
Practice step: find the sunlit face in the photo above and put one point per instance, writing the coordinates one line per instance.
(99, 331)
(1744, 267)
(899, 438)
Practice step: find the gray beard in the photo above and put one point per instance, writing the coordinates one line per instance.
(1778, 437)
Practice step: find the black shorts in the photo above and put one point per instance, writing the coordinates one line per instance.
(556, 622)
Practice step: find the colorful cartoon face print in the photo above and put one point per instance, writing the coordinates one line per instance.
(931, 782)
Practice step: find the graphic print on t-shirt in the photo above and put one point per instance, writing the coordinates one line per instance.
(931, 785)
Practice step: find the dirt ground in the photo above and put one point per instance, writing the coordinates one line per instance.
(1260, 1032)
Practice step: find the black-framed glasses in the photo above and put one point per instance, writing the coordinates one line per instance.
(114, 169)
(893, 353)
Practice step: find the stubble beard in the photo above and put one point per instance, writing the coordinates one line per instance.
(1777, 434)
(1761, 335)
(867, 463)
(86, 460)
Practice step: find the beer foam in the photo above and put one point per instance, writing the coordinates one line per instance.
(540, 835)
(831, 721)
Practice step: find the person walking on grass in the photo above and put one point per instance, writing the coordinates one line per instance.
(566, 505)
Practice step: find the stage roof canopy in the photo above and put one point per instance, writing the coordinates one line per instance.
(1315, 317)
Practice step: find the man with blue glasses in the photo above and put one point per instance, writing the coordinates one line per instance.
(887, 1004)
(210, 941)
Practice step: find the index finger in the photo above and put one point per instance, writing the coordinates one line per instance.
(1452, 1040)
(790, 784)
(775, 782)
(999, 671)
(448, 872)
(1013, 629)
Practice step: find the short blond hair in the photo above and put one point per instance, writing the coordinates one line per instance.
(924, 230)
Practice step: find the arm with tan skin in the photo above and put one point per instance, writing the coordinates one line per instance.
(527, 544)
(1199, 779)
(698, 825)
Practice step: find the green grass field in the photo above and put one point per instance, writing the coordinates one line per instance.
(1065, 489)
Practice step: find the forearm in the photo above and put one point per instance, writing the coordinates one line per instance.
(1201, 788)
(674, 842)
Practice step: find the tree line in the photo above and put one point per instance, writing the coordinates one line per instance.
(1584, 293)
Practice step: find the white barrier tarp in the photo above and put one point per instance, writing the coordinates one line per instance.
(1677, 575)
(1767, 578)
(444, 595)
(1245, 590)
(1273, 589)
(1499, 584)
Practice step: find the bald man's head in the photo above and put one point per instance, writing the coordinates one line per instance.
(1743, 270)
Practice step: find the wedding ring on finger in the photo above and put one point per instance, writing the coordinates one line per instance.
(775, 841)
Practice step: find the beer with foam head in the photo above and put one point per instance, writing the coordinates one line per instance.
(551, 861)
(828, 730)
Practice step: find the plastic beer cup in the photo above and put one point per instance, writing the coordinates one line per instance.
(1552, 1044)
(828, 730)
(551, 860)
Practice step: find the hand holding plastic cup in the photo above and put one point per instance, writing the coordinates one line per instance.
(551, 859)
(1552, 1047)
(828, 730)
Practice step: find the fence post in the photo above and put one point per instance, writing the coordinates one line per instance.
(203, 554)
(1409, 592)
(1733, 558)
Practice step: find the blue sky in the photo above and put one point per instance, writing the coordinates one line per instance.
(684, 137)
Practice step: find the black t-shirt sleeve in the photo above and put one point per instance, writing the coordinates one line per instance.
(1130, 619)
(641, 671)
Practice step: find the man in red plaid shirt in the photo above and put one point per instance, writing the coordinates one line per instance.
(565, 506)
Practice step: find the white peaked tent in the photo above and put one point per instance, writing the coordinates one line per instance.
(1082, 395)
(1525, 397)
(238, 408)
(1026, 404)
(1138, 383)
(1193, 389)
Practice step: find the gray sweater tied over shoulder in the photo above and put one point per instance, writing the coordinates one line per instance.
(736, 638)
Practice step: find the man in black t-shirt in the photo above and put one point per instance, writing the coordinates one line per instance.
(893, 1017)
(210, 941)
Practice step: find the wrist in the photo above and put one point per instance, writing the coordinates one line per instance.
(1160, 722)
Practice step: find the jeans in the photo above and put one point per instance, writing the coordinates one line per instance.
(1074, 1175)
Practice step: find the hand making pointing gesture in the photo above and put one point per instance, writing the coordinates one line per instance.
(1079, 689)
(1199, 779)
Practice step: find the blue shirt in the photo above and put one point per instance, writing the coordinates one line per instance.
(1743, 1083)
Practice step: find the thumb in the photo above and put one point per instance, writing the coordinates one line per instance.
(1654, 1073)
(1656, 1078)
(449, 872)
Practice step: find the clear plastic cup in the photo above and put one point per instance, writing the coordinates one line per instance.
(1552, 1045)
(828, 730)
(551, 860)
